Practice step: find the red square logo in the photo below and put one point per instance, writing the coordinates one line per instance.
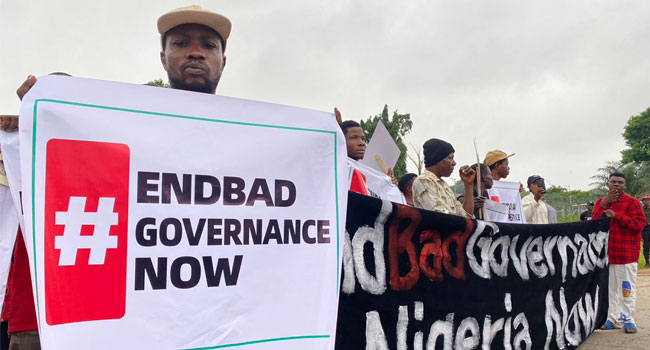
(86, 224)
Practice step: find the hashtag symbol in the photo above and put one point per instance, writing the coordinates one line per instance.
(72, 240)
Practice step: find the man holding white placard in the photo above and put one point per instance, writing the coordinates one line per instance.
(504, 192)
(193, 45)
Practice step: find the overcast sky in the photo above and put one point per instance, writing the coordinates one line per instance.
(553, 81)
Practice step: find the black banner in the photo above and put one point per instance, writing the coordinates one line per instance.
(415, 279)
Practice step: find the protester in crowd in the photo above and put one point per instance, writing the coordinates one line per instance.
(499, 165)
(19, 308)
(4, 336)
(405, 185)
(646, 231)
(193, 45)
(355, 139)
(586, 215)
(486, 183)
(18, 312)
(536, 210)
(627, 221)
(431, 192)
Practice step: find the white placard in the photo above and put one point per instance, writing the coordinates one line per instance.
(165, 219)
(507, 192)
(495, 212)
(381, 144)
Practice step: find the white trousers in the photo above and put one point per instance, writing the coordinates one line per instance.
(622, 293)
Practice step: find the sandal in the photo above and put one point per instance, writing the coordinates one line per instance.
(629, 328)
(608, 325)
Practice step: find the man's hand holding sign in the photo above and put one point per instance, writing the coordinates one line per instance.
(131, 225)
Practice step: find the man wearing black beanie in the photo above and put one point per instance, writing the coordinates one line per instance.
(431, 192)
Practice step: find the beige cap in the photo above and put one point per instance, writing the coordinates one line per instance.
(495, 156)
(195, 14)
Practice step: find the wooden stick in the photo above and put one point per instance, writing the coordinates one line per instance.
(478, 177)
(381, 164)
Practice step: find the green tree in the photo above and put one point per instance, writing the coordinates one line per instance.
(398, 126)
(159, 83)
(637, 177)
(637, 138)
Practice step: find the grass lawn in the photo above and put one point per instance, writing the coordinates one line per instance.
(642, 262)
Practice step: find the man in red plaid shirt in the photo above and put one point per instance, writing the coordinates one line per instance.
(627, 221)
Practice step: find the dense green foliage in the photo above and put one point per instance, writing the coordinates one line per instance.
(398, 126)
(637, 138)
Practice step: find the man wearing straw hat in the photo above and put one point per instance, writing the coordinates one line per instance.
(193, 45)
(499, 165)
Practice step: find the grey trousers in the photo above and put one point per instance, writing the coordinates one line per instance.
(27, 340)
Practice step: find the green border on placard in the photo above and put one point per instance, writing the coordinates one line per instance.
(259, 341)
(336, 184)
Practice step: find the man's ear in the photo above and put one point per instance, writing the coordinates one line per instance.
(224, 63)
(163, 60)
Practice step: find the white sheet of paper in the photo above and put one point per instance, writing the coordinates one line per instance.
(496, 212)
(507, 192)
(382, 144)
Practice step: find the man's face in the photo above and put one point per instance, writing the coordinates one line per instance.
(534, 188)
(446, 165)
(590, 207)
(503, 168)
(193, 58)
(356, 142)
(409, 188)
(616, 183)
(487, 180)
(646, 203)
